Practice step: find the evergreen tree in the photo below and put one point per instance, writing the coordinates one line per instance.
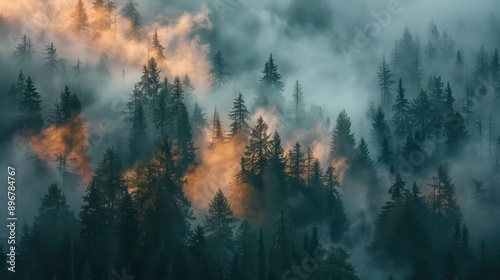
(149, 85)
(239, 116)
(24, 50)
(93, 215)
(309, 167)
(219, 224)
(245, 247)
(218, 77)
(456, 134)
(270, 91)
(129, 234)
(380, 127)
(101, 17)
(337, 218)
(138, 135)
(257, 150)
(401, 108)
(385, 81)
(80, 19)
(198, 120)
(53, 230)
(157, 47)
(67, 107)
(52, 63)
(337, 266)
(131, 13)
(442, 198)
(161, 115)
(297, 106)
(386, 155)
(188, 90)
(217, 130)
(30, 108)
(277, 161)
(296, 167)
(342, 143)
(285, 251)
(420, 112)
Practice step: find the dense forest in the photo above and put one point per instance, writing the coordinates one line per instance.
(150, 142)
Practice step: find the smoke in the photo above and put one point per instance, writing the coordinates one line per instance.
(64, 145)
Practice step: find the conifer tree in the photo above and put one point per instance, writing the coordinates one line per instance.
(217, 130)
(138, 135)
(261, 258)
(30, 108)
(239, 116)
(80, 19)
(161, 115)
(198, 120)
(278, 161)
(131, 13)
(149, 85)
(257, 150)
(297, 105)
(129, 234)
(480, 70)
(52, 62)
(245, 247)
(157, 47)
(401, 108)
(442, 198)
(218, 76)
(337, 220)
(342, 143)
(495, 67)
(296, 167)
(219, 224)
(420, 112)
(337, 266)
(385, 81)
(270, 91)
(101, 17)
(24, 50)
(285, 251)
(380, 127)
(67, 107)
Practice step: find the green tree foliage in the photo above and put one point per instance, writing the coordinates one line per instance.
(270, 90)
(297, 105)
(218, 133)
(385, 81)
(258, 149)
(442, 199)
(401, 110)
(67, 107)
(337, 266)
(138, 138)
(80, 19)
(380, 127)
(342, 142)
(24, 50)
(296, 166)
(218, 76)
(52, 63)
(30, 108)
(239, 116)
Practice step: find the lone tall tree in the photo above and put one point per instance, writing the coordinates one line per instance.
(157, 47)
(342, 142)
(385, 81)
(297, 106)
(401, 110)
(239, 116)
(218, 75)
(270, 91)
(24, 50)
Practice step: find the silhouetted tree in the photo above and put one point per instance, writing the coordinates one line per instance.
(218, 77)
(239, 116)
(270, 91)
(342, 143)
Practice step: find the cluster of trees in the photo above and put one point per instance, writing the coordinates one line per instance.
(136, 216)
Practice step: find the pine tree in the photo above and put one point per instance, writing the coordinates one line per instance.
(456, 134)
(270, 92)
(442, 198)
(138, 135)
(24, 50)
(380, 127)
(297, 105)
(101, 17)
(480, 70)
(149, 85)
(93, 215)
(217, 130)
(52, 63)
(296, 167)
(198, 120)
(131, 13)
(337, 266)
(495, 67)
(420, 112)
(30, 108)
(157, 46)
(437, 104)
(337, 220)
(218, 77)
(385, 81)
(53, 229)
(80, 19)
(239, 116)
(285, 251)
(245, 247)
(386, 155)
(362, 166)
(17, 88)
(161, 115)
(219, 224)
(257, 150)
(67, 107)
(278, 161)
(401, 108)
(342, 142)
(129, 234)
(189, 88)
